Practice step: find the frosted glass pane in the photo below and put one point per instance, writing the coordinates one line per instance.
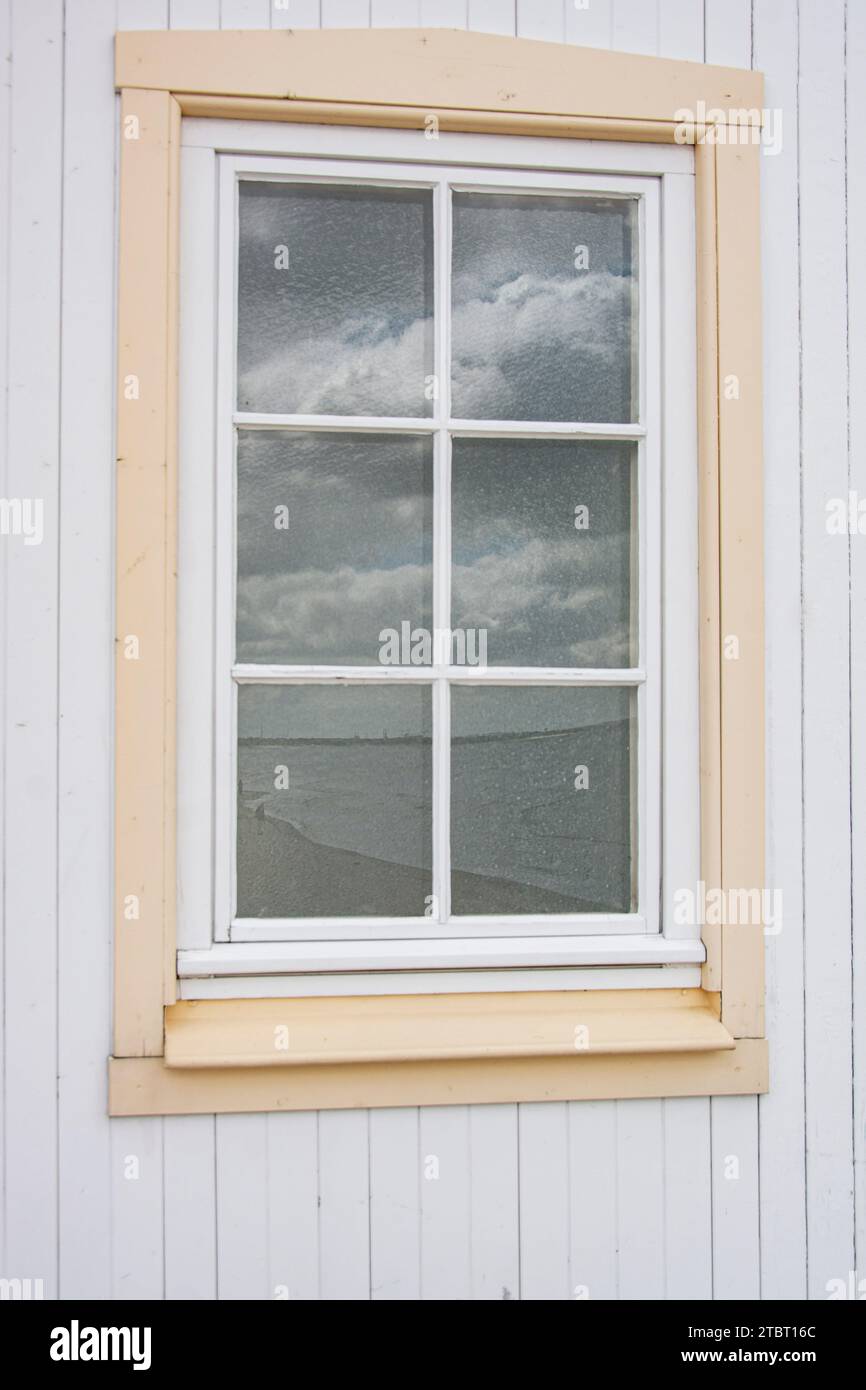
(544, 305)
(524, 837)
(334, 801)
(543, 550)
(335, 300)
(334, 546)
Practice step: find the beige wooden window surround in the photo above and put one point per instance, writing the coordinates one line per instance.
(219, 1055)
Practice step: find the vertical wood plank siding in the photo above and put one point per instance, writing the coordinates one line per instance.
(746, 1197)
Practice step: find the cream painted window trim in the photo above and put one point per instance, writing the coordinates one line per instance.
(224, 1054)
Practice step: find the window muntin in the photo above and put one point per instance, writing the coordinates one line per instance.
(370, 462)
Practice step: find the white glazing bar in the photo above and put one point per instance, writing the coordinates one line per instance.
(250, 141)
(537, 429)
(420, 928)
(329, 984)
(356, 424)
(329, 168)
(225, 560)
(518, 939)
(441, 906)
(649, 482)
(424, 424)
(263, 957)
(469, 675)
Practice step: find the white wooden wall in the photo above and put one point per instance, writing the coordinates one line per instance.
(627, 1199)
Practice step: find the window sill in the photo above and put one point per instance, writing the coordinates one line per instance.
(296, 1054)
(435, 953)
(311, 1032)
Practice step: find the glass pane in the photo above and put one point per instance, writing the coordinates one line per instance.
(544, 551)
(542, 800)
(334, 801)
(334, 547)
(335, 300)
(544, 305)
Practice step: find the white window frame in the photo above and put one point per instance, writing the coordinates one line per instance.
(219, 955)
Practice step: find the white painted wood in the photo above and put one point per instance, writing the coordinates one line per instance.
(635, 26)
(728, 32)
(683, 788)
(544, 1201)
(444, 14)
(249, 420)
(640, 1199)
(5, 209)
(681, 693)
(502, 150)
(681, 29)
(451, 953)
(446, 1235)
(245, 14)
(512, 937)
(224, 699)
(494, 1196)
(196, 550)
(396, 1175)
(688, 1206)
(680, 778)
(736, 1253)
(194, 14)
(654, 520)
(514, 429)
(856, 218)
(493, 16)
(452, 147)
(345, 14)
(541, 19)
(826, 654)
(782, 1136)
(255, 1179)
(442, 489)
(284, 986)
(395, 14)
(344, 1218)
(293, 1207)
(295, 14)
(242, 1207)
(31, 602)
(189, 1179)
(589, 22)
(481, 675)
(734, 1127)
(142, 14)
(85, 647)
(136, 1200)
(592, 1200)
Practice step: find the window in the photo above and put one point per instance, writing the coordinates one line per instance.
(441, 500)
(475, 1006)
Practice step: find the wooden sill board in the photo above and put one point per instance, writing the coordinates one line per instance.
(354, 1030)
(145, 1086)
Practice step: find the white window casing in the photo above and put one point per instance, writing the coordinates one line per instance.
(220, 954)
